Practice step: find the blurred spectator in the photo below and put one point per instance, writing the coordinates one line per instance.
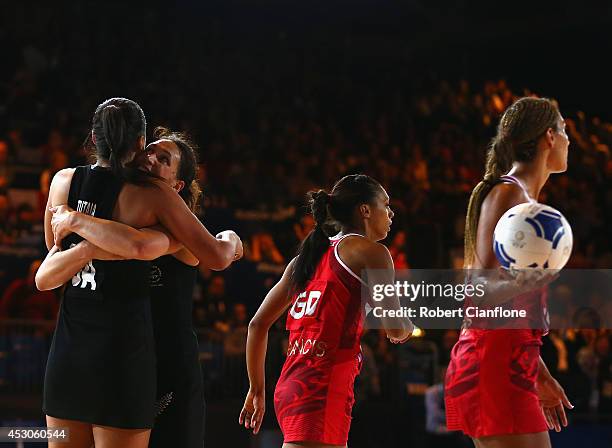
(368, 384)
(302, 228)
(263, 250)
(6, 170)
(604, 373)
(58, 161)
(236, 331)
(22, 300)
(417, 174)
(398, 251)
(5, 216)
(24, 154)
(210, 310)
(435, 421)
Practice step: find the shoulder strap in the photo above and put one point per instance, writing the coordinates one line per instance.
(75, 185)
(337, 240)
(513, 180)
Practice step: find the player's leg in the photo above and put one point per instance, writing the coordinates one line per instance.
(535, 440)
(109, 437)
(79, 433)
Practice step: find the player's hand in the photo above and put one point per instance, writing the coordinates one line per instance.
(553, 402)
(61, 222)
(533, 279)
(231, 236)
(399, 341)
(410, 331)
(253, 411)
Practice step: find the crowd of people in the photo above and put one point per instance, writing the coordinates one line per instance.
(262, 150)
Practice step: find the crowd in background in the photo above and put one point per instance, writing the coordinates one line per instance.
(262, 149)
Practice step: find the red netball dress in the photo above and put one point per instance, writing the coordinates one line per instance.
(490, 386)
(314, 394)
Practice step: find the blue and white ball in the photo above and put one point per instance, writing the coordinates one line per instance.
(532, 235)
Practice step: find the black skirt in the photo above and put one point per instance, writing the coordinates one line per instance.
(101, 367)
(181, 410)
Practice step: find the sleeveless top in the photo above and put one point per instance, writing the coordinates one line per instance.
(534, 302)
(325, 320)
(94, 191)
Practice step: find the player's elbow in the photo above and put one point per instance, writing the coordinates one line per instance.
(137, 250)
(259, 325)
(144, 249)
(42, 283)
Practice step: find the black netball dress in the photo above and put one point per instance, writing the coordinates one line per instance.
(101, 366)
(180, 388)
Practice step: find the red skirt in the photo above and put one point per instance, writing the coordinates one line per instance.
(490, 386)
(314, 404)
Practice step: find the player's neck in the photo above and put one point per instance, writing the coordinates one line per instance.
(533, 176)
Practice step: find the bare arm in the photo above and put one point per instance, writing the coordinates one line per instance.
(60, 266)
(553, 400)
(141, 244)
(380, 271)
(174, 215)
(58, 194)
(274, 305)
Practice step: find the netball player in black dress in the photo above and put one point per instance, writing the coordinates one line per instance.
(180, 390)
(101, 379)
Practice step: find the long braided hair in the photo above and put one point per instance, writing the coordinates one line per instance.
(518, 133)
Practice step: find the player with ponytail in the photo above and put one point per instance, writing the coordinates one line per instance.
(498, 390)
(322, 287)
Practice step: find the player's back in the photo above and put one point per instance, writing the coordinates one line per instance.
(101, 366)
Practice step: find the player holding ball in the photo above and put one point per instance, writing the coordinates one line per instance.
(498, 390)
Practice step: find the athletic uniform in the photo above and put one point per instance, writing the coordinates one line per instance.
(101, 365)
(490, 386)
(314, 394)
(180, 388)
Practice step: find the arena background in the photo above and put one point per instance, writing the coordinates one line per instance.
(283, 97)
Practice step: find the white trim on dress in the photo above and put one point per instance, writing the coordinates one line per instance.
(339, 239)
